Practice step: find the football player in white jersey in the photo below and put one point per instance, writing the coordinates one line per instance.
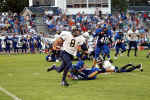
(109, 67)
(71, 44)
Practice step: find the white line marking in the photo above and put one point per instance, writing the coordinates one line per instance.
(9, 94)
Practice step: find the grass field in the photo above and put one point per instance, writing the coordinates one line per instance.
(25, 76)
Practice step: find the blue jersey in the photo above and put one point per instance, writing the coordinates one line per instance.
(85, 73)
(7, 42)
(24, 42)
(103, 38)
(0, 44)
(31, 42)
(119, 37)
(109, 33)
(38, 39)
(14, 41)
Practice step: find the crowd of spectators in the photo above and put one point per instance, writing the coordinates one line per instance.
(25, 27)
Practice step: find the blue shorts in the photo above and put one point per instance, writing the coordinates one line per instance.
(106, 49)
(98, 50)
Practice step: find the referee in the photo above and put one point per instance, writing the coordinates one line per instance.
(132, 38)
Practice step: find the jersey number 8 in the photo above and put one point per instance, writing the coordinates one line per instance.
(72, 44)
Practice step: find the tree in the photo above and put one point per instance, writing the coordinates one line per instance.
(13, 5)
(17, 5)
(120, 4)
(3, 6)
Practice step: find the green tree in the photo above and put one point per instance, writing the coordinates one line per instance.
(3, 6)
(17, 5)
(120, 4)
(13, 5)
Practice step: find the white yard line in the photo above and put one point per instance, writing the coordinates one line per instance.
(9, 94)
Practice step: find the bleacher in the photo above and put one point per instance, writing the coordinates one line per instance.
(139, 8)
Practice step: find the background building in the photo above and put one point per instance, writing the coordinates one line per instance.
(76, 6)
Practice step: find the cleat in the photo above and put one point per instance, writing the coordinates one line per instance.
(64, 83)
(115, 57)
(51, 68)
(147, 56)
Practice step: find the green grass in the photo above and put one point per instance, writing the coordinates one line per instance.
(26, 77)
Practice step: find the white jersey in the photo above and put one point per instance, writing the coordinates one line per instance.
(108, 65)
(70, 42)
(82, 38)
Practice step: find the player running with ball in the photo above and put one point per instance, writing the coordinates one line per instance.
(71, 44)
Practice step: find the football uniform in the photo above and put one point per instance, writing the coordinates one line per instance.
(8, 44)
(39, 45)
(69, 49)
(85, 73)
(31, 45)
(108, 65)
(71, 43)
(119, 38)
(1, 45)
(24, 45)
(15, 41)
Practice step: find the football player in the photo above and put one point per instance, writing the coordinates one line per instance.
(109, 67)
(24, 44)
(1, 46)
(80, 71)
(107, 41)
(71, 44)
(120, 43)
(104, 36)
(7, 42)
(14, 43)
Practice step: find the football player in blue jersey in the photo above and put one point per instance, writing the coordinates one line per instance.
(7, 42)
(80, 71)
(1, 50)
(31, 45)
(119, 43)
(24, 44)
(15, 41)
(104, 37)
(107, 42)
(39, 45)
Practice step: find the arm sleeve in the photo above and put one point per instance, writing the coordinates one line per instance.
(63, 35)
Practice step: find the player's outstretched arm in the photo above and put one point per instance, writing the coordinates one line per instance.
(58, 44)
